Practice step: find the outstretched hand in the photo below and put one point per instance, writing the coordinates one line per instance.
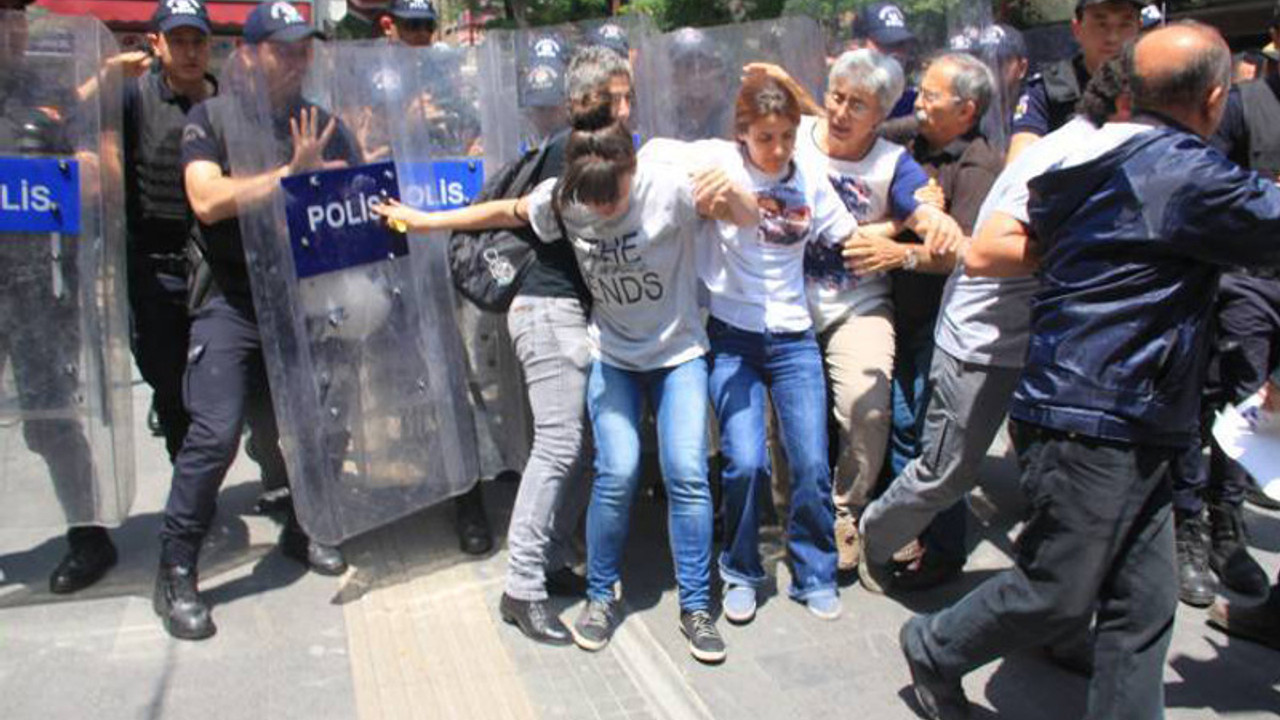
(398, 216)
(309, 142)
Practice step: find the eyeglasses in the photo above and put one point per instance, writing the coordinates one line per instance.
(934, 98)
(853, 105)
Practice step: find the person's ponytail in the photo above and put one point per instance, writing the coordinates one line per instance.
(598, 153)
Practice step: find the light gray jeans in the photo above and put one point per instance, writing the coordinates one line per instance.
(966, 408)
(550, 338)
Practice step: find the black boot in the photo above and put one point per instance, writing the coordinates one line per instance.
(90, 554)
(322, 559)
(1196, 586)
(1229, 557)
(177, 602)
(472, 524)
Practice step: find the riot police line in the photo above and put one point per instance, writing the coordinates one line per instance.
(388, 395)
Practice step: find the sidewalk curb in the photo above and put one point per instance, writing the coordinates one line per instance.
(654, 673)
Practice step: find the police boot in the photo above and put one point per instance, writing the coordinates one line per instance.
(472, 523)
(1196, 586)
(90, 554)
(177, 602)
(1229, 557)
(322, 559)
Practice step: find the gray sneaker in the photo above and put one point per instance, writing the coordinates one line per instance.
(705, 643)
(594, 626)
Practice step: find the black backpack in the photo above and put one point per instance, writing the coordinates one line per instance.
(488, 265)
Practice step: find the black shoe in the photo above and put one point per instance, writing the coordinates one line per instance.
(177, 602)
(322, 559)
(1229, 557)
(535, 620)
(566, 583)
(929, 571)
(939, 698)
(1196, 586)
(705, 643)
(89, 557)
(472, 524)
(275, 502)
(594, 626)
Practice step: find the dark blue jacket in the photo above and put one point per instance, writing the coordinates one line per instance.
(1131, 247)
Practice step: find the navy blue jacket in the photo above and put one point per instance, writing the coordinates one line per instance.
(1131, 246)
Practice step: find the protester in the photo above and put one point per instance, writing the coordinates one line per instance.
(632, 226)
(1108, 399)
(1101, 27)
(226, 380)
(981, 341)
(955, 92)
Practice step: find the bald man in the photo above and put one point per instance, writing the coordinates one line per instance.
(1132, 242)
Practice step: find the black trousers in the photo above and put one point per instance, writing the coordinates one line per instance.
(225, 385)
(1100, 537)
(161, 334)
(1246, 349)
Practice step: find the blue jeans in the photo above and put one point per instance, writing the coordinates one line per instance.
(746, 365)
(615, 399)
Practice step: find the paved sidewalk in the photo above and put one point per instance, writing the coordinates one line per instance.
(412, 631)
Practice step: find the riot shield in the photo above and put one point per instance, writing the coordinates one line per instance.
(66, 429)
(972, 29)
(365, 367)
(697, 71)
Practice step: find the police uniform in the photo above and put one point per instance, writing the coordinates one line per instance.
(226, 381)
(1050, 97)
(159, 226)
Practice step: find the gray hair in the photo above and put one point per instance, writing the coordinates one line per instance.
(870, 71)
(590, 71)
(1188, 84)
(972, 81)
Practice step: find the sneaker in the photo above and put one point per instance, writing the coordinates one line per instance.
(594, 627)
(705, 643)
(825, 604)
(740, 604)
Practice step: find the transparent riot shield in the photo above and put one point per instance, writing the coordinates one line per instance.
(696, 72)
(366, 370)
(971, 28)
(66, 429)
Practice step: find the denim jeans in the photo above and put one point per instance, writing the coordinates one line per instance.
(550, 336)
(1099, 539)
(788, 366)
(616, 400)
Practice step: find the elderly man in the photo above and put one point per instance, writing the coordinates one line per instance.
(1131, 244)
(226, 379)
(955, 92)
(1101, 27)
(981, 338)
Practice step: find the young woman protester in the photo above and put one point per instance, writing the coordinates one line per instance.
(763, 343)
(632, 224)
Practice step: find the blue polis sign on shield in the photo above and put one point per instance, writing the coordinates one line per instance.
(440, 184)
(331, 225)
(39, 195)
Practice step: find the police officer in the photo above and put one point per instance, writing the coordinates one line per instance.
(1246, 350)
(413, 22)
(226, 380)
(883, 27)
(159, 219)
(39, 313)
(1101, 27)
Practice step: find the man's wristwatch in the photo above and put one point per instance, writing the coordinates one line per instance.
(910, 260)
